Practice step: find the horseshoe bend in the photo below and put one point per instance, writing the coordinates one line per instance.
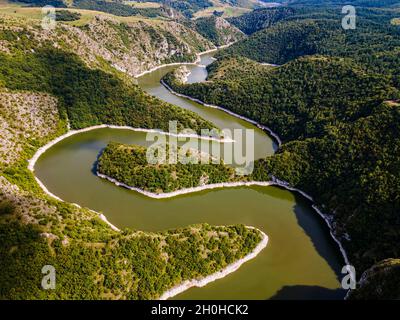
(86, 214)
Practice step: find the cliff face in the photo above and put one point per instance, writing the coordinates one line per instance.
(218, 30)
(131, 47)
(24, 116)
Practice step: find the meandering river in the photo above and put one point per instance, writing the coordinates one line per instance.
(301, 260)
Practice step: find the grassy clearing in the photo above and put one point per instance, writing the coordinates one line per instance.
(396, 21)
(228, 11)
(16, 10)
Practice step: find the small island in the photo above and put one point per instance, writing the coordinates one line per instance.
(128, 165)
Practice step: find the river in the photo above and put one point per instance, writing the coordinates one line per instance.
(301, 260)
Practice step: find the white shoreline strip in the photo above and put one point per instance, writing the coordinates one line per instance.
(187, 190)
(274, 182)
(219, 274)
(272, 133)
(41, 150)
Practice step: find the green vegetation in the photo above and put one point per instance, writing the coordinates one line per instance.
(65, 15)
(187, 7)
(261, 19)
(116, 8)
(110, 265)
(6, 207)
(128, 164)
(299, 99)
(374, 43)
(216, 29)
(89, 97)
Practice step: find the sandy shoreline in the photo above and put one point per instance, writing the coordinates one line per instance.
(219, 274)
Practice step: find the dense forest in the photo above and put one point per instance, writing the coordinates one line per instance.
(291, 39)
(65, 15)
(337, 112)
(260, 19)
(128, 164)
(94, 262)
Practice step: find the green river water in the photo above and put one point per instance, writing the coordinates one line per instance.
(301, 260)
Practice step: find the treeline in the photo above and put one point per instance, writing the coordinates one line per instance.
(128, 164)
(89, 97)
(374, 43)
(110, 265)
(260, 19)
(65, 15)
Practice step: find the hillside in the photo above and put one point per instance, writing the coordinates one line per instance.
(37, 230)
(216, 29)
(261, 19)
(131, 46)
(290, 39)
(128, 164)
(381, 282)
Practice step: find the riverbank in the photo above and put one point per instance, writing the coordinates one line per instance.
(219, 274)
(41, 150)
(327, 218)
(273, 182)
(198, 59)
(262, 127)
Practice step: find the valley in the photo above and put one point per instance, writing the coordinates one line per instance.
(78, 102)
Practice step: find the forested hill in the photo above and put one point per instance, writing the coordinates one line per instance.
(128, 164)
(298, 100)
(216, 29)
(260, 19)
(373, 43)
(80, 67)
